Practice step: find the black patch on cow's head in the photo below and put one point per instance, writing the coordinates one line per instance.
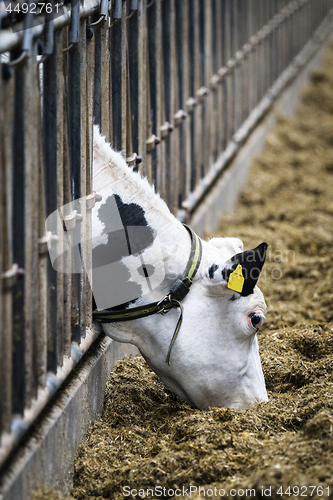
(132, 238)
(212, 270)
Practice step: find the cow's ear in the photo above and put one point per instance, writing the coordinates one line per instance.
(227, 244)
(242, 271)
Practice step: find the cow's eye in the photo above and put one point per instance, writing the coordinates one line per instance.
(256, 320)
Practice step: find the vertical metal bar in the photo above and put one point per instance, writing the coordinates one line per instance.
(18, 237)
(174, 188)
(64, 187)
(192, 101)
(181, 33)
(3, 224)
(106, 83)
(186, 96)
(160, 111)
(142, 73)
(238, 67)
(245, 76)
(151, 141)
(116, 77)
(43, 262)
(51, 195)
(90, 47)
(63, 300)
(32, 165)
(224, 22)
(124, 78)
(74, 136)
(231, 65)
(83, 177)
(216, 41)
(3, 232)
(6, 166)
(153, 84)
(208, 102)
(132, 31)
(167, 67)
(97, 107)
(197, 82)
(249, 55)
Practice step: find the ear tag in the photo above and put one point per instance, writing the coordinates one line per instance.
(236, 280)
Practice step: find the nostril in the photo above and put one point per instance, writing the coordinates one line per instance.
(255, 319)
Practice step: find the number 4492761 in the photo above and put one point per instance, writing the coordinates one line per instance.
(33, 8)
(304, 491)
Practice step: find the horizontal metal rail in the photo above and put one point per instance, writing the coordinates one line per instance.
(178, 86)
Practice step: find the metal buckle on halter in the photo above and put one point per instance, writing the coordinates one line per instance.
(162, 309)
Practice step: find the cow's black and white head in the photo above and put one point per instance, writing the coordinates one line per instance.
(139, 249)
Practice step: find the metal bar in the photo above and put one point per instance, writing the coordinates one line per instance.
(117, 9)
(6, 160)
(223, 74)
(215, 39)
(97, 105)
(116, 79)
(3, 233)
(124, 78)
(106, 83)
(161, 122)
(90, 47)
(142, 74)
(176, 116)
(168, 94)
(153, 86)
(41, 340)
(197, 147)
(181, 35)
(132, 29)
(84, 284)
(51, 182)
(231, 66)
(18, 238)
(74, 29)
(185, 103)
(208, 101)
(49, 31)
(74, 136)
(64, 193)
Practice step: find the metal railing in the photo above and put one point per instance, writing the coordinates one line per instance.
(176, 85)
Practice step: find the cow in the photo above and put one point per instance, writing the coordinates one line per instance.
(191, 307)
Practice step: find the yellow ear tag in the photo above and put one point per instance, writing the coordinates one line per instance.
(236, 280)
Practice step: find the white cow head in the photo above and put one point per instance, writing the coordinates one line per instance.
(215, 358)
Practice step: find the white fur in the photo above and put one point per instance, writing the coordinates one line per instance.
(215, 360)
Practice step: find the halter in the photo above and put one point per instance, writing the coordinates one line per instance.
(177, 292)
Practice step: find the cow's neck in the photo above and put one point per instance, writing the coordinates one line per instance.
(113, 176)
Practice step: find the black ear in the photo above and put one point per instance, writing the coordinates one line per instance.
(245, 270)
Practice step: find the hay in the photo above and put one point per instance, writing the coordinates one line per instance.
(148, 437)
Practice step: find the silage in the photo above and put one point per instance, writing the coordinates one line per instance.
(149, 437)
